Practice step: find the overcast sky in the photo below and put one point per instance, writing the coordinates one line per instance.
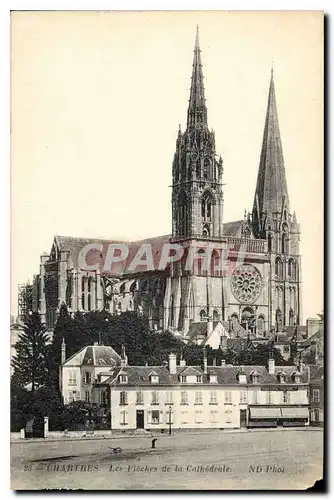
(96, 103)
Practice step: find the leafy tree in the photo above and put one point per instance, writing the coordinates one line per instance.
(259, 355)
(29, 362)
(66, 328)
(75, 415)
(47, 402)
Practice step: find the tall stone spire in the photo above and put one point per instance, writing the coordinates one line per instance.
(271, 195)
(197, 196)
(197, 112)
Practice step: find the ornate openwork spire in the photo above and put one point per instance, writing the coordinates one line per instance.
(271, 189)
(197, 112)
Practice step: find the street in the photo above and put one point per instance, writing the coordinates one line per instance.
(280, 459)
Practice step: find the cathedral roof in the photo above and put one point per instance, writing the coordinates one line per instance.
(232, 228)
(74, 245)
(271, 188)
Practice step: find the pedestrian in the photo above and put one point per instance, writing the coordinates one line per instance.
(153, 442)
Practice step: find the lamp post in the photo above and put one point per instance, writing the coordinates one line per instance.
(170, 421)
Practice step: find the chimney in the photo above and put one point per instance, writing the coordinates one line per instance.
(63, 351)
(223, 362)
(124, 358)
(205, 362)
(182, 362)
(271, 364)
(172, 363)
(301, 366)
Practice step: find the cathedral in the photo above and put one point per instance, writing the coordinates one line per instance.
(260, 289)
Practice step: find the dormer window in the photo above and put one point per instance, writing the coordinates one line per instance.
(154, 379)
(297, 377)
(199, 379)
(123, 379)
(281, 377)
(255, 378)
(213, 379)
(242, 378)
(183, 379)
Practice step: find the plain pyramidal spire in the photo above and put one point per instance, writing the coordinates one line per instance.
(271, 189)
(197, 112)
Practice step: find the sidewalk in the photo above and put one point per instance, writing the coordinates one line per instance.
(149, 434)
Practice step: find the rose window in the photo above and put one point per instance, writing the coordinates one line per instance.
(246, 283)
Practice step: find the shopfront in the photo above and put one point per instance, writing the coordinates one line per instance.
(260, 416)
(273, 416)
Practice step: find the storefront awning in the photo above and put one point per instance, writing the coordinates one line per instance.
(296, 412)
(265, 413)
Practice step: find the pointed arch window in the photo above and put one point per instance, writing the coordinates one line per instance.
(269, 243)
(285, 239)
(285, 244)
(215, 316)
(279, 267)
(215, 263)
(202, 315)
(200, 260)
(206, 232)
(198, 168)
(171, 311)
(292, 268)
(206, 206)
(183, 214)
(291, 318)
(206, 168)
(260, 323)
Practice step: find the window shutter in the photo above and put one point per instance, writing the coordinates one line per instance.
(149, 417)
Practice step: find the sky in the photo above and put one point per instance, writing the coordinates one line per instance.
(96, 101)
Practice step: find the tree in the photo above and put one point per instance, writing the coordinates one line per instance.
(259, 355)
(76, 415)
(20, 406)
(29, 362)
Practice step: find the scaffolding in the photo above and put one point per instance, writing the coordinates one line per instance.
(25, 300)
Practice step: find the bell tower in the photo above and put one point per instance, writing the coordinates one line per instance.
(197, 196)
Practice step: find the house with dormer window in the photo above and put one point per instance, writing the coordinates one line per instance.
(198, 397)
(91, 364)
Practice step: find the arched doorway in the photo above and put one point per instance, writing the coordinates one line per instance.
(247, 318)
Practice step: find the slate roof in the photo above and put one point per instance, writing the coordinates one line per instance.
(226, 375)
(191, 370)
(237, 344)
(96, 355)
(232, 228)
(316, 374)
(198, 329)
(73, 245)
